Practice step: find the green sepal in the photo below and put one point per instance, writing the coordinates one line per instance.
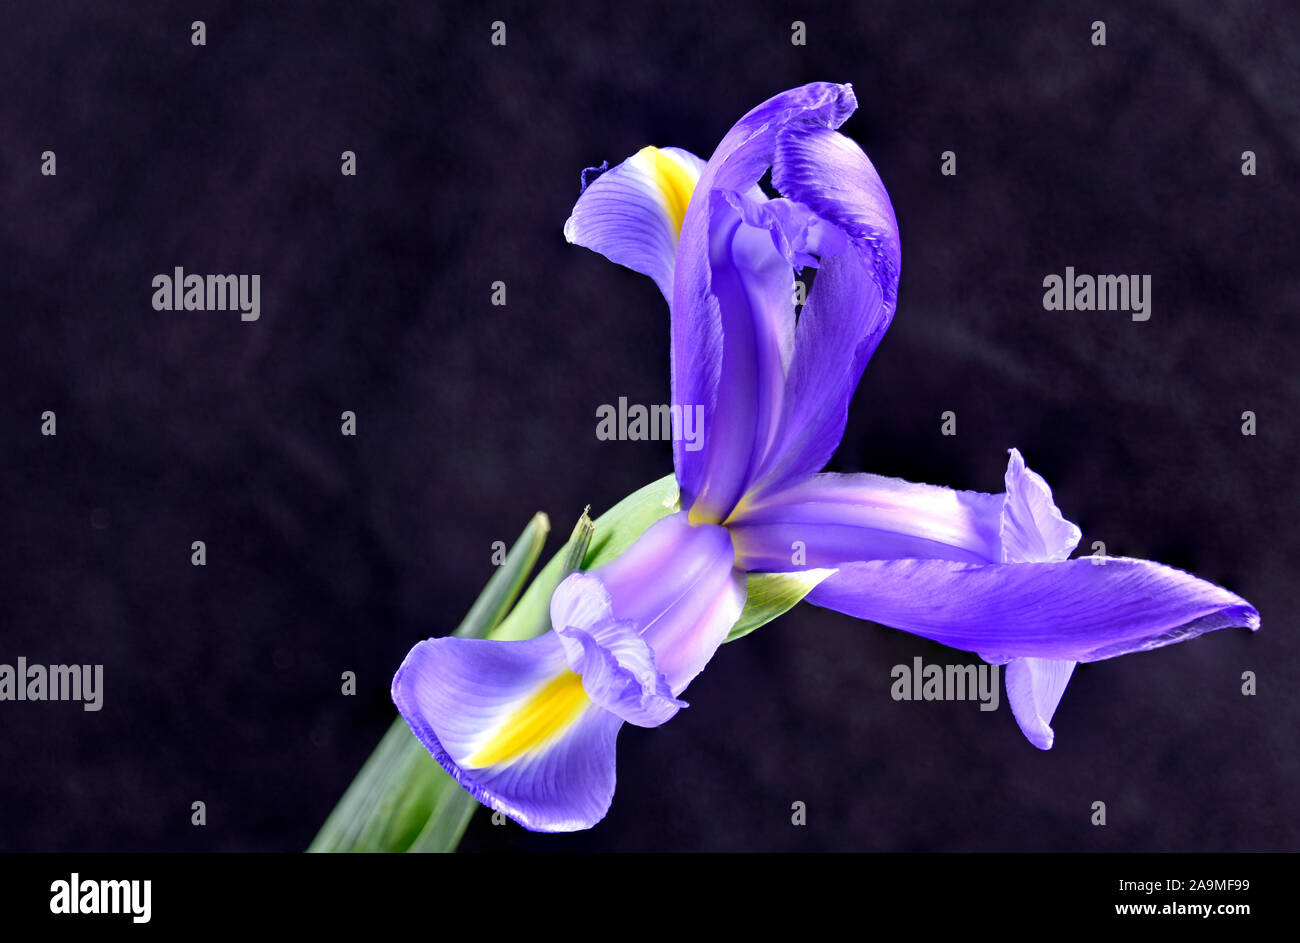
(773, 594)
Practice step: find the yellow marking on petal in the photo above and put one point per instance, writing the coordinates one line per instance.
(556, 705)
(701, 514)
(673, 181)
(743, 507)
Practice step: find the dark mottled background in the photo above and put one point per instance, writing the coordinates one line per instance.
(328, 554)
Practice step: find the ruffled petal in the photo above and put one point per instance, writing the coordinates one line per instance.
(1034, 688)
(514, 726)
(633, 213)
(1077, 610)
(801, 236)
(617, 666)
(678, 586)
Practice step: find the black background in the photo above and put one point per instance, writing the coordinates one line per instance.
(328, 554)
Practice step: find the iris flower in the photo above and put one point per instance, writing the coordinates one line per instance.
(529, 727)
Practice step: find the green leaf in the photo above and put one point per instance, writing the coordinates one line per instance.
(503, 588)
(773, 594)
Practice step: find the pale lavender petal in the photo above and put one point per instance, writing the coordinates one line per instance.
(632, 213)
(1078, 610)
(512, 724)
(1034, 688)
(833, 519)
(677, 584)
(617, 666)
(1033, 529)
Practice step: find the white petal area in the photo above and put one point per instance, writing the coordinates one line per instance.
(1033, 529)
(1034, 688)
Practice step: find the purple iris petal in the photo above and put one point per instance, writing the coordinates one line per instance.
(1034, 688)
(852, 300)
(1033, 529)
(529, 727)
(800, 235)
(832, 519)
(988, 573)
(499, 718)
(631, 214)
(836, 519)
(617, 666)
(751, 287)
(1080, 610)
(724, 334)
(730, 280)
(678, 585)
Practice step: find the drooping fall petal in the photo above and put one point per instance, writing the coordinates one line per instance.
(529, 727)
(513, 725)
(1081, 610)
